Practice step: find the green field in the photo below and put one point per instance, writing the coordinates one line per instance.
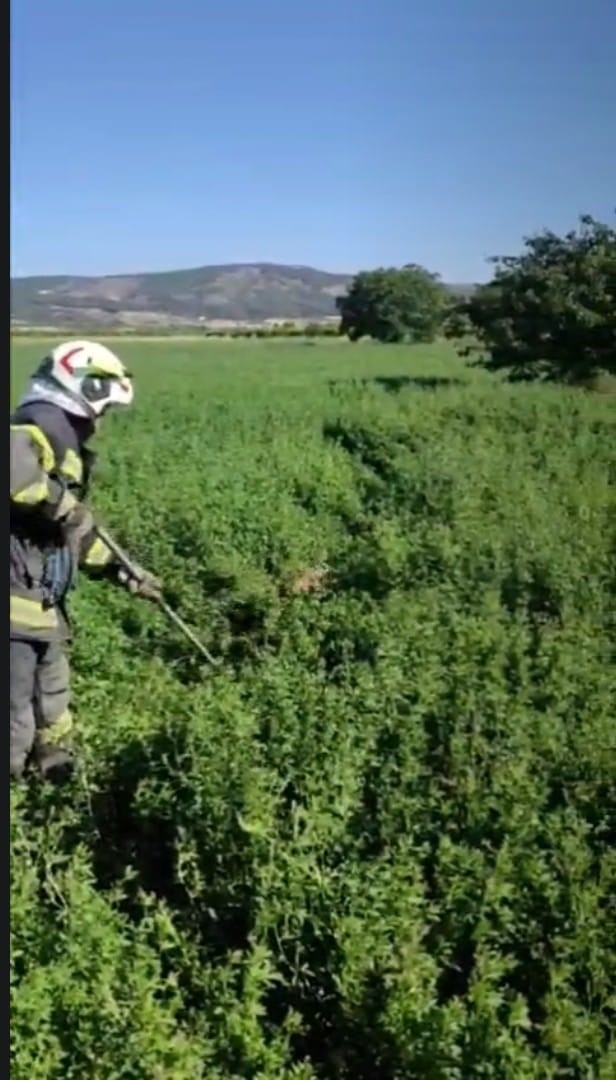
(379, 841)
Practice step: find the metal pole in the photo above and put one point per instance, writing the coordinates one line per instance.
(134, 572)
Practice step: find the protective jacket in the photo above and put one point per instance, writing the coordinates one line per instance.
(50, 470)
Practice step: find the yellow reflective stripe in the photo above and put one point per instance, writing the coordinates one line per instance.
(32, 494)
(72, 466)
(30, 614)
(110, 366)
(56, 732)
(67, 503)
(47, 456)
(98, 554)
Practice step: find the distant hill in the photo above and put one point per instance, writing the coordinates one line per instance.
(234, 293)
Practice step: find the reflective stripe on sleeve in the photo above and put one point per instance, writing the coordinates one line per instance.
(32, 494)
(42, 443)
(72, 466)
(98, 554)
(31, 615)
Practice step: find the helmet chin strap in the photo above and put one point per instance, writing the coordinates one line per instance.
(51, 392)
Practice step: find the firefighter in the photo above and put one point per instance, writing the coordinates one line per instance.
(52, 535)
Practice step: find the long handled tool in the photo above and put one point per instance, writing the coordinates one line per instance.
(136, 574)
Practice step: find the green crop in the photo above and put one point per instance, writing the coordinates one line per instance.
(379, 842)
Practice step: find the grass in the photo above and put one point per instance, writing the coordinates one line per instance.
(379, 842)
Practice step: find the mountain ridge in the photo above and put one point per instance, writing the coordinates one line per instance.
(228, 292)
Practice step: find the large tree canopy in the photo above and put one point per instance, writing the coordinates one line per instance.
(549, 313)
(393, 305)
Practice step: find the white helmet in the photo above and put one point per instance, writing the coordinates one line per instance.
(83, 378)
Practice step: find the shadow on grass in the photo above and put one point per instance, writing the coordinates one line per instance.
(394, 384)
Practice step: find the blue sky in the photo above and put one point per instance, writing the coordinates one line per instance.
(343, 134)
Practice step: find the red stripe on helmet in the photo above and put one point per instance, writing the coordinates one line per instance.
(64, 361)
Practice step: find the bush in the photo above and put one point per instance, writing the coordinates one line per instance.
(393, 306)
(549, 313)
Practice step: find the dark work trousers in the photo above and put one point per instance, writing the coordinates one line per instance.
(40, 693)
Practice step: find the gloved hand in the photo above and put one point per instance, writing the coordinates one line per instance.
(146, 585)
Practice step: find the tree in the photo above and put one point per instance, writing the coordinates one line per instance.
(393, 305)
(549, 313)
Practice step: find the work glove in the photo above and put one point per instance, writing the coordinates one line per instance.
(145, 585)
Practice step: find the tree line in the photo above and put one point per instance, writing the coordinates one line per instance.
(286, 329)
(547, 313)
